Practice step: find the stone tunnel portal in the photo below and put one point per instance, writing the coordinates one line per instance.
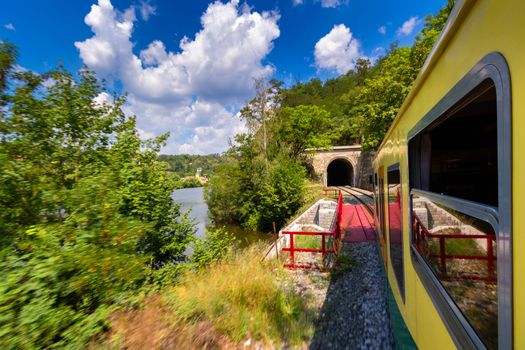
(339, 173)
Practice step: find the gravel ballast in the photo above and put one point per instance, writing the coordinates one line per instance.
(355, 314)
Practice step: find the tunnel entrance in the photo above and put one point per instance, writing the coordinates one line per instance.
(339, 173)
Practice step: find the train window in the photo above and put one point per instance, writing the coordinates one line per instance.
(395, 225)
(461, 251)
(376, 195)
(459, 179)
(458, 163)
(382, 206)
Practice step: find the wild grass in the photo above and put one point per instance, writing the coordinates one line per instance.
(308, 241)
(243, 298)
(343, 265)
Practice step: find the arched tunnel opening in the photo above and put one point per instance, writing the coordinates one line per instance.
(339, 173)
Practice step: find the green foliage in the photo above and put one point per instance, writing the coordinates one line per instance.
(190, 182)
(377, 102)
(374, 106)
(304, 127)
(252, 192)
(363, 102)
(212, 248)
(8, 54)
(282, 195)
(187, 164)
(85, 209)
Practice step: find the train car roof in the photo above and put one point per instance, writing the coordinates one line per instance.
(456, 17)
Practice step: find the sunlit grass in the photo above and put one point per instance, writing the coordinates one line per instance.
(243, 298)
(308, 241)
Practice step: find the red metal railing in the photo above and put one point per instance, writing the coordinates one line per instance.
(421, 236)
(335, 233)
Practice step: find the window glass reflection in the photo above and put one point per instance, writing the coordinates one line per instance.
(396, 227)
(461, 251)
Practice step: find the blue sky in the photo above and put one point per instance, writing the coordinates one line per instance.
(195, 89)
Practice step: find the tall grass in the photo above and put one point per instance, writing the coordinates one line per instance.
(243, 298)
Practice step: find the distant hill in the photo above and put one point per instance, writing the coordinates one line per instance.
(187, 164)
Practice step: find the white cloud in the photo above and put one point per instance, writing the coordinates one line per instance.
(188, 91)
(297, 2)
(154, 54)
(10, 26)
(145, 135)
(147, 10)
(332, 3)
(382, 29)
(103, 99)
(408, 26)
(337, 50)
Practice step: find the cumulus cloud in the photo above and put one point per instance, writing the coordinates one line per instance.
(382, 29)
(408, 26)
(198, 87)
(147, 10)
(337, 50)
(297, 2)
(10, 26)
(154, 54)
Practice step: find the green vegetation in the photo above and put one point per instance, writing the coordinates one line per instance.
(307, 241)
(243, 298)
(190, 182)
(187, 164)
(86, 211)
(262, 177)
(343, 264)
(220, 307)
(363, 102)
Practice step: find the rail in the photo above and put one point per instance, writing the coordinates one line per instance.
(335, 232)
(421, 235)
(358, 190)
(351, 190)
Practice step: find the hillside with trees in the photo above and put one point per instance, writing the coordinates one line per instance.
(187, 164)
(262, 178)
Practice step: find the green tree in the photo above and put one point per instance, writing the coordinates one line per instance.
(304, 127)
(376, 104)
(86, 213)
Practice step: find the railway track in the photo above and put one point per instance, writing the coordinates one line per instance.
(361, 196)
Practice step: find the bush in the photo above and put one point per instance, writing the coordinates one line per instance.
(254, 193)
(217, 244)
(283, 194)
(85, 209)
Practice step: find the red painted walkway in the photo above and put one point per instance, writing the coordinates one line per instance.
(357, 224)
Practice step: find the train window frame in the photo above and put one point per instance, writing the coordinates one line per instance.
(376, 197)
(400, 282)
(382, 216)
(494, 67)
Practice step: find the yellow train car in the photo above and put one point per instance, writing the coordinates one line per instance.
(450, 189)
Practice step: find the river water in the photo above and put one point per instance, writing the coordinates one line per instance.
(193, 199)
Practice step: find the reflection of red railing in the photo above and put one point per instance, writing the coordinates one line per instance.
(335, 233)
(421, 236)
